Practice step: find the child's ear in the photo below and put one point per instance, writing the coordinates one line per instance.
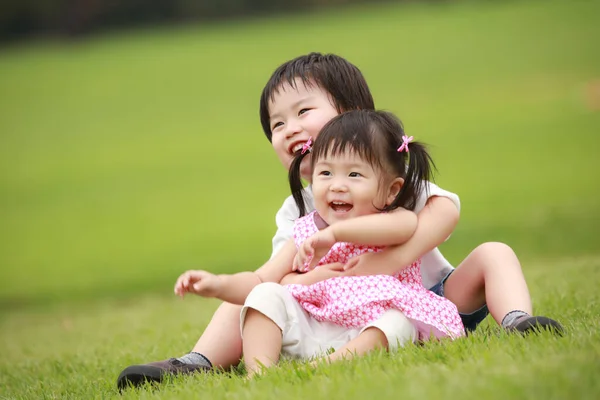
(394, 189)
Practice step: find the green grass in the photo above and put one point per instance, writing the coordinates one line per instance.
(130, 157)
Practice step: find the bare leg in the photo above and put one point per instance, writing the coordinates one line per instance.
(369, 340)
(490, 274)
(390, 331)
(262, 342)
(221, 341)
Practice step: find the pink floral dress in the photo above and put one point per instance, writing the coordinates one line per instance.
(354, 301)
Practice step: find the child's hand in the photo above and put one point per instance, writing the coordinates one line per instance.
(322, 273)
(198, 282)
(351, 263)
(313, 249)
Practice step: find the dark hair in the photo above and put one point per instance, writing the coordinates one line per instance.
(374, 136)
(337, 76)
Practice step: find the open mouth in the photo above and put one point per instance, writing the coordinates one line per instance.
(340, 206)
(296, 147)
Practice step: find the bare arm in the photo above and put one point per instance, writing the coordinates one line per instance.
(436, 222)
(383, 229)
(234, 288)
(316, 275)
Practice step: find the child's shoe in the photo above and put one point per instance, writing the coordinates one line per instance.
(136, 375)
(528, 324)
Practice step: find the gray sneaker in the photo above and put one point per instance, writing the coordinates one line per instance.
(136, 375)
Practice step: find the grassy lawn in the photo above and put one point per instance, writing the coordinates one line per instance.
(130, 157)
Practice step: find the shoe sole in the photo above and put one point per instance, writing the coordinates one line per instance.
(539, 324)
(137, 375)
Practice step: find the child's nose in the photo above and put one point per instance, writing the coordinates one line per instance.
(338, 186)
(292, 129)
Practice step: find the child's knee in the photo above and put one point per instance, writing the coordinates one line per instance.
(269, 299)
(493, 250)
(267, 290)
(397, 329)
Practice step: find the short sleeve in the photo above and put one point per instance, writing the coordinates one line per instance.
(285, 217)
(431, 190)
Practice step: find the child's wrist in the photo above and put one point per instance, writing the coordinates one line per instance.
(220, 283)
(334, 233)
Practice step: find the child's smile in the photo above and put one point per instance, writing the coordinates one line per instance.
(345, 186)
(340, 207)
(297, 114)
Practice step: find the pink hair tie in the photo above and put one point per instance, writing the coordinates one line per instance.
(405, 141)
(306, 146)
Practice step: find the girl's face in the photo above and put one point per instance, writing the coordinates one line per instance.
(345, 186)
(297, 114)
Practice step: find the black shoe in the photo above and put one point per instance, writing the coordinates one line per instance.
(528, 324)
(136, 375)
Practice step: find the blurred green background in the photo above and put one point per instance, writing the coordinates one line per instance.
(128, 157)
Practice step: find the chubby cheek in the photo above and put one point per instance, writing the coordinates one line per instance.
(320, 199)
(283, 156)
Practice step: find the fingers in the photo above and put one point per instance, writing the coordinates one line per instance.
(208, 286)
(317, 247)
(304, 256)
(179, 284)
(334, 267)
(351, 263)
(317, 253)
(198, 287)
(308, 263)
(296, 266)
(309, 253)
(314, 260)
(185, 281)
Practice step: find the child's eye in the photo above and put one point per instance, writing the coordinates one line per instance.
(276, 125)
(325, 173)
(303, 111)
(354, 174)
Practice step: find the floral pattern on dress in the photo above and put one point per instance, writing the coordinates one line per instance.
(355, 301)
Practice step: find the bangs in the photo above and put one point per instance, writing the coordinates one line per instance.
(342, 81)
(352, 133)
(376, 137)
(290, 78)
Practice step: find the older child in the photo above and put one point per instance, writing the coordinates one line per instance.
(300, 97)
(360, 167)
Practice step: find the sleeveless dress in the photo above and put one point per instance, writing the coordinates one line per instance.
(354, 301)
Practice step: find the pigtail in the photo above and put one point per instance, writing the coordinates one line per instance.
(420, 168)
(295, 180)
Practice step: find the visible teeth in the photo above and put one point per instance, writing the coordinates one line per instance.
(297, 147)
(338, 203)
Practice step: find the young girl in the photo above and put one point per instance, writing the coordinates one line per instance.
(299, 98)
(363, 180)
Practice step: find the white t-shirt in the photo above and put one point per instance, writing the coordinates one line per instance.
(434, 266)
